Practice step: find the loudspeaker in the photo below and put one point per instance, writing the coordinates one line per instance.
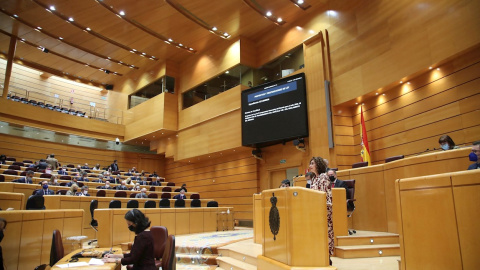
(109, 86)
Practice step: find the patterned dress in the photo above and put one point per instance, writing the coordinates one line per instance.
(321, 183)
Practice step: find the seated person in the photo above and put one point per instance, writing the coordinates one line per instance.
(136, 187)
(133, 170)
(44, 190)
(3, 159)
(78, 169)
(141, 182)
(475, 156)
(332, 176)
(28, 179)
(84, 191)
(446, 143)
(73, 191)
(49, 169)
(309, 176)
(285, 183)
(107, 176)
(53, 180)
(156, 182)
(85, 167)
(107, 185)
(181, 195)
(142, 194)
(154, 174)
(123, 186)
(99, 179)
(42, 165)
(97, 167)
(62, 171)
(184, 187)
(83, 177)
(72, 182)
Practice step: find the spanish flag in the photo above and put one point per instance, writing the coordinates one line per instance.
(365, 152)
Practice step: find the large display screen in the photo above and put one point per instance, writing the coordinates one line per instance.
(275, 112)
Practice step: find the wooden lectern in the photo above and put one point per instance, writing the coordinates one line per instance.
(294, 229)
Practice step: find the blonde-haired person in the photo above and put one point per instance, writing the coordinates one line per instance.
(321, 183)
(73, 191)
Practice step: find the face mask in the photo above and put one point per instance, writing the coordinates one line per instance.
(131, 228)
(445, 146)
(332, 178)
(45, 186)
(472, 157)
(85, 192)
(1, 236)
(107, 185)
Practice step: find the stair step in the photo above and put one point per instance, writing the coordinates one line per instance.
(368, 240)
(228, 263)
(366, 251)
(197, 259)
(237, 255)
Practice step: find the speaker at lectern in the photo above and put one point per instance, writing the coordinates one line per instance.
(294, 229)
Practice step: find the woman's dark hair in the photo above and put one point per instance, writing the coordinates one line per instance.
(320, 164)
(140, 220)
(446, 139)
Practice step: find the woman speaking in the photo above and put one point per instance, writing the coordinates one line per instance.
(141, 256)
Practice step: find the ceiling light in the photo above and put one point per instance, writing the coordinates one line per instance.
(144, 53)
(122, 13)
(191, 49)
(268, 14)
(300, 2)
(430, 67)
(180, 44)
(39, 28)
(356, 103)
(383, 94)
(227, 72)
(88, 29)
(438, 68)
(70, 19)
(408, 82)
(60, 38)
(299, 28)
(214, 28)
(226, 34)
(279, 20)
(171, 40)
(52, 7)
(401, 81)
(15, 15)
(376, 94)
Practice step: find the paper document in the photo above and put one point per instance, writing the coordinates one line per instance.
(94, 261)
(74, 264)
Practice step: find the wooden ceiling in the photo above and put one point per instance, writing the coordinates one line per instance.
(119, 44)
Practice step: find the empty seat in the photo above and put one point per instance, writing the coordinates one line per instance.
(196, 203)
(11, 159)
(179, 203)
(10, 172)
(14, 167)
(167, 189)
(152, 188)
(360, 164)
(178, 190)
(195, 196)
(164, 203)
(166, 196)
(160, 237)
(41, 104)
(27, 161)
(32, 102)
(24, 173)
(170, 184)
(45, 175)
(132, 204)
(62, 191)
(2, 178)
(35, 202)
(350, 192)
(24, 100)
(212, 204)
(56, 250)
(168, 258)
(150, 204)
(33, 169)
(390, 159)
(121, 194)
(65, 177)
(133, 194)
(70, 166)
(101, 193)
(153, 195)
(115, 204)
(18, 163)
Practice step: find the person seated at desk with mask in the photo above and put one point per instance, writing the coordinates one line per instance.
(475, 156)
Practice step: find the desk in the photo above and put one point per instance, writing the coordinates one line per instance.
(106, 266)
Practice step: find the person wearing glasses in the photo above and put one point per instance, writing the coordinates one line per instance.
(142, 253)
(475, 156)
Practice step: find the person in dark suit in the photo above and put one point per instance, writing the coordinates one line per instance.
(114, 166)
(107, 185)
(332, 176)
(142, 253)
(123, 186)
(25, 180)
(99, 179)
(84, 191)
(84, 177)
(73, 182)
(155, 182)
(62, 171)
(44, 190)
(181, 195)
(141, 182)
(184, 187)
(42, 165)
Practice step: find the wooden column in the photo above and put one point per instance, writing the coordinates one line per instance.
(8, 71)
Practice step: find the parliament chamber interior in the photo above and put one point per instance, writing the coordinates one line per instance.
(197, 112)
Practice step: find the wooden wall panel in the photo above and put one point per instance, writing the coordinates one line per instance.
(230, 180)
(23, 149)
(410, 118)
